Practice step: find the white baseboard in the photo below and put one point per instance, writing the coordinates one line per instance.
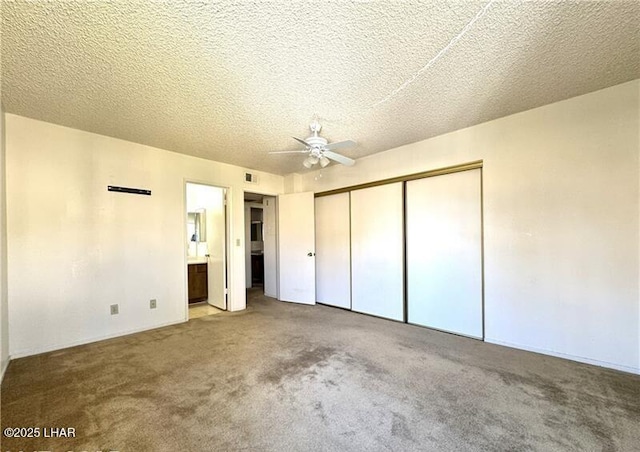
(37, 351)
(580, 359)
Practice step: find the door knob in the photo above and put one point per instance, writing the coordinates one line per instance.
(311, 254)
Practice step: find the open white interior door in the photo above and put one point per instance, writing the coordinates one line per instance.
(216, 244)
(296, 248)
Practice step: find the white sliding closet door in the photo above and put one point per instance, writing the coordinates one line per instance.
(333, 251)
(444, 253)
(377, 253)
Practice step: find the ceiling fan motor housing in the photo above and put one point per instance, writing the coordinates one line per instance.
(317, 145)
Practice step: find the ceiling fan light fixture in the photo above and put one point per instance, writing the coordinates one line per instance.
(324, 161)
(308, 163)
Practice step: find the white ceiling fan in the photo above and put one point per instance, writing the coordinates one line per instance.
(319, 149)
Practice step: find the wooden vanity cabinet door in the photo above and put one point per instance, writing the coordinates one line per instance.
(198, 282)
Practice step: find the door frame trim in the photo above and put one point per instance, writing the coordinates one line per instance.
(257, 191)
(227, 241)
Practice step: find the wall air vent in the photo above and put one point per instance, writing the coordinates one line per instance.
(250, 178)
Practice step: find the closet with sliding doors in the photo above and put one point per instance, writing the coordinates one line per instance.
(407, 249)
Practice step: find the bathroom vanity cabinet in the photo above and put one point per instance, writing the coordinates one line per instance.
(198, 282)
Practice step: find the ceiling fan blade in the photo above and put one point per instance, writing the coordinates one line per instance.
(340, 144)
(302, 151)
(339, 158)
(302, 141)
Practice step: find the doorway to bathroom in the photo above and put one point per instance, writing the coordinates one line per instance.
(206, 249)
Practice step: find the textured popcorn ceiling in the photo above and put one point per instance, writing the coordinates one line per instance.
(231, 80)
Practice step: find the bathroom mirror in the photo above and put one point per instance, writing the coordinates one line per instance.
(197, 225)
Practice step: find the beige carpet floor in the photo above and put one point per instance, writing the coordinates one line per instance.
(286, 377)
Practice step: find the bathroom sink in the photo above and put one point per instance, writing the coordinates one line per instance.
(196, 260)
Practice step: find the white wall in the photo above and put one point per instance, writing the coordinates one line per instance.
(561, 221)
(4, 308)
(292, 183)
(75, 248)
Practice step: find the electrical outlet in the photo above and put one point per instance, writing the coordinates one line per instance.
(152, 304)
(114, 309)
